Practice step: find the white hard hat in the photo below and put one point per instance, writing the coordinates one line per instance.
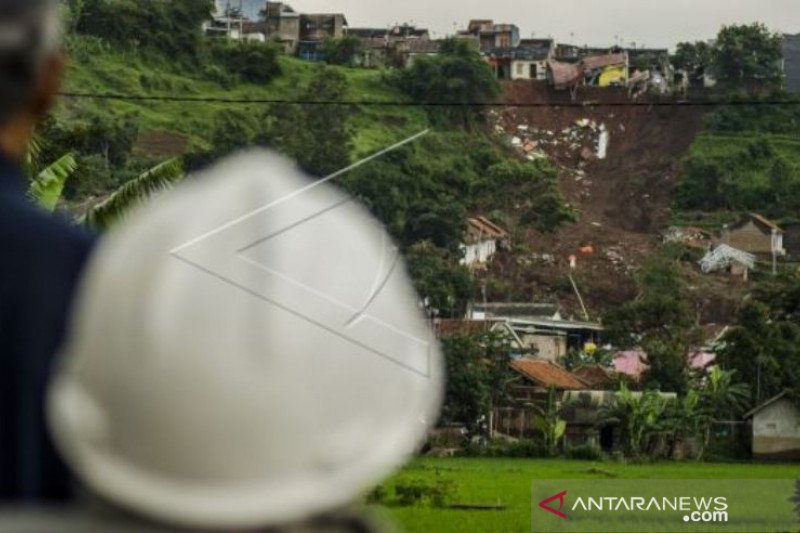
(247, 351)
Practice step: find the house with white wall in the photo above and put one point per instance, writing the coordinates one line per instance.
(775, 426)
(482, 239)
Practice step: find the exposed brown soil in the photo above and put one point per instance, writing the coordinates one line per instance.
(161, 144)
(622, 200)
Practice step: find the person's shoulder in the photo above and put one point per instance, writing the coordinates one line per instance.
(29, 231)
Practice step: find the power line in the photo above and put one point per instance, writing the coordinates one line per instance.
(378, 103)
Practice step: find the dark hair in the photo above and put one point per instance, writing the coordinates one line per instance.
(28, 32)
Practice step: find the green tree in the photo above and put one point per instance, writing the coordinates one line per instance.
(341, 51)
(638, 416)
(478, 376)
(251, 61)
(694, 58)
(660, 321)
(687, 419)
(317, 134)
(173, 28)
(748, 58)
(550, 424)
(722, 396)
(132, 194)
(764, 348)
(457, 78)
(445, 285)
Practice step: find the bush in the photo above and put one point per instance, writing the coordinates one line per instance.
(524, 448)
(378, 495)
(250, 61)
(420, 492)
(585, 452)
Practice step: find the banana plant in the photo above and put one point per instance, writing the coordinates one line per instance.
(550, 424)
(114, 208)
(47, 186)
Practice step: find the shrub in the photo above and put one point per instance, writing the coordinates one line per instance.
(524, 448)
(585, 452)
(420, 492)
(250, 61)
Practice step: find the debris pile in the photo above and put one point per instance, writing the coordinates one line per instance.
(585, 138)
(723, 257)
(692, 237)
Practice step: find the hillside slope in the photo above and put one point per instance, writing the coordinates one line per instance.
(623, 200)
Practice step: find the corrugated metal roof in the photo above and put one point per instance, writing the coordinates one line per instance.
(448, 327)
(547, 374)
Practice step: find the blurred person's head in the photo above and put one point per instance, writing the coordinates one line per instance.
(31, 69)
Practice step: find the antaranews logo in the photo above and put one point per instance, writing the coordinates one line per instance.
(618, 506)
(545, 504)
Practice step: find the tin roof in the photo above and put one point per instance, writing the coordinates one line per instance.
(547, 374)
(448, 327)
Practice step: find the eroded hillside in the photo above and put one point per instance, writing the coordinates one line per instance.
(622, 200)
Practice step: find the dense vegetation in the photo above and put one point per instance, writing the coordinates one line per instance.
(423, 192)
(748, 158)
(764, 344)
(741, 171)
(743, 59)
(660, 322)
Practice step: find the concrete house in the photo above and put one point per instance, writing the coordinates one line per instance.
(482, 237)
(528, 61)
(318, 27)
(755, 235)
(537, 330)
(607, 70)
(282, 26)
(492, 36)
(791, 62)
(407, 51)
(775, 429)
(531, 389)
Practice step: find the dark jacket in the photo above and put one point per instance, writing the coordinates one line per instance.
(41, 258)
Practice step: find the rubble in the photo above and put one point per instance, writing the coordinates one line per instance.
(723, 257)
(584, 138)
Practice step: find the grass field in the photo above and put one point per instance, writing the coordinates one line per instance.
(508, 482)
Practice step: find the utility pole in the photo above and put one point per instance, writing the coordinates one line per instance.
(573, 264)
(774, 247)
(241, 20)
